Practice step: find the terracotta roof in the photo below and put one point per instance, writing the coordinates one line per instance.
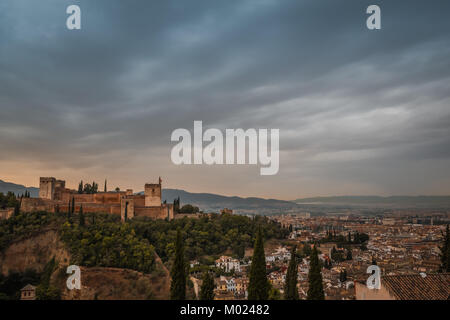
(418, 287)
(28, 287)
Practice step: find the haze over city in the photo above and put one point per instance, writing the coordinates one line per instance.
(359, 112)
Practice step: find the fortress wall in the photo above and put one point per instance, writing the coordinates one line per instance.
(168, 207)
(139, 200)
(151, 212)
(93, 208)
(88, 198)
(108, 197)
(101, 197)
(37, 204)
(126, 209)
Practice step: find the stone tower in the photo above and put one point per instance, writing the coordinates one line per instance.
(153, 194)
(47, 187)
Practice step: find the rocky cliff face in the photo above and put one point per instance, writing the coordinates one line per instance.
(100, 283)
(119, 284)
(33, 253)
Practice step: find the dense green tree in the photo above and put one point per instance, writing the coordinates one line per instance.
(207, 288)
(46, 291)
(17, 208)
(208, 235)
(176, 205)
(11, 284)
(105, 189)
(336, 255)
(178, 271)
(445, 252)
(258, 288)
(73, 206)
(290, 288)
(315, 289)
(68, 211)
(343, 275)
(81, 216)
(8, 201)
(274, 293)
(349, 254)
(188, 208)
(80, 187)
(306, 250)
(108, 243)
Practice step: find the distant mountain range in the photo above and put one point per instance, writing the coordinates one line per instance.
(214, 202)
(399, 201)
(210, 202)
(19, 189)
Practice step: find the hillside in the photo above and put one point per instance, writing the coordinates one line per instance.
(5, 187)
(103, 283)
(214, 202)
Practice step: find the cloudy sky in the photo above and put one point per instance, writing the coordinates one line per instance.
(360, 112)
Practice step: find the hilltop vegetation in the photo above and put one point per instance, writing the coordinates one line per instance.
(8, 200)
(207, 235)
(108, 244)
(23, 225)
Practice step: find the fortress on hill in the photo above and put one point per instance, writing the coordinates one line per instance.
(54, 196)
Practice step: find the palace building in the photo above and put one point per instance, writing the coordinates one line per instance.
(54, 196)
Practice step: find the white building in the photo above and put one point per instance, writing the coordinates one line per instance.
(228, 263)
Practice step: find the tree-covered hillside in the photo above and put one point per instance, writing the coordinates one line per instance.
(102, 240)
(207, 235)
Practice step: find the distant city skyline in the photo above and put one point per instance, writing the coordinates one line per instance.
(360, 112)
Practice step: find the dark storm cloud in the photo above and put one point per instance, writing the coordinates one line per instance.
(345, 98)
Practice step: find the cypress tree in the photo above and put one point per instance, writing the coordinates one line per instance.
(68, 211)
(343, 275)
(349, 254)
(207, 288)
(81, 216)
(315, 290)
(105, 189)
(178, 271)
(17, 208)
(445, 253)
(290, 288)
(73, 205)
(258, 288)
